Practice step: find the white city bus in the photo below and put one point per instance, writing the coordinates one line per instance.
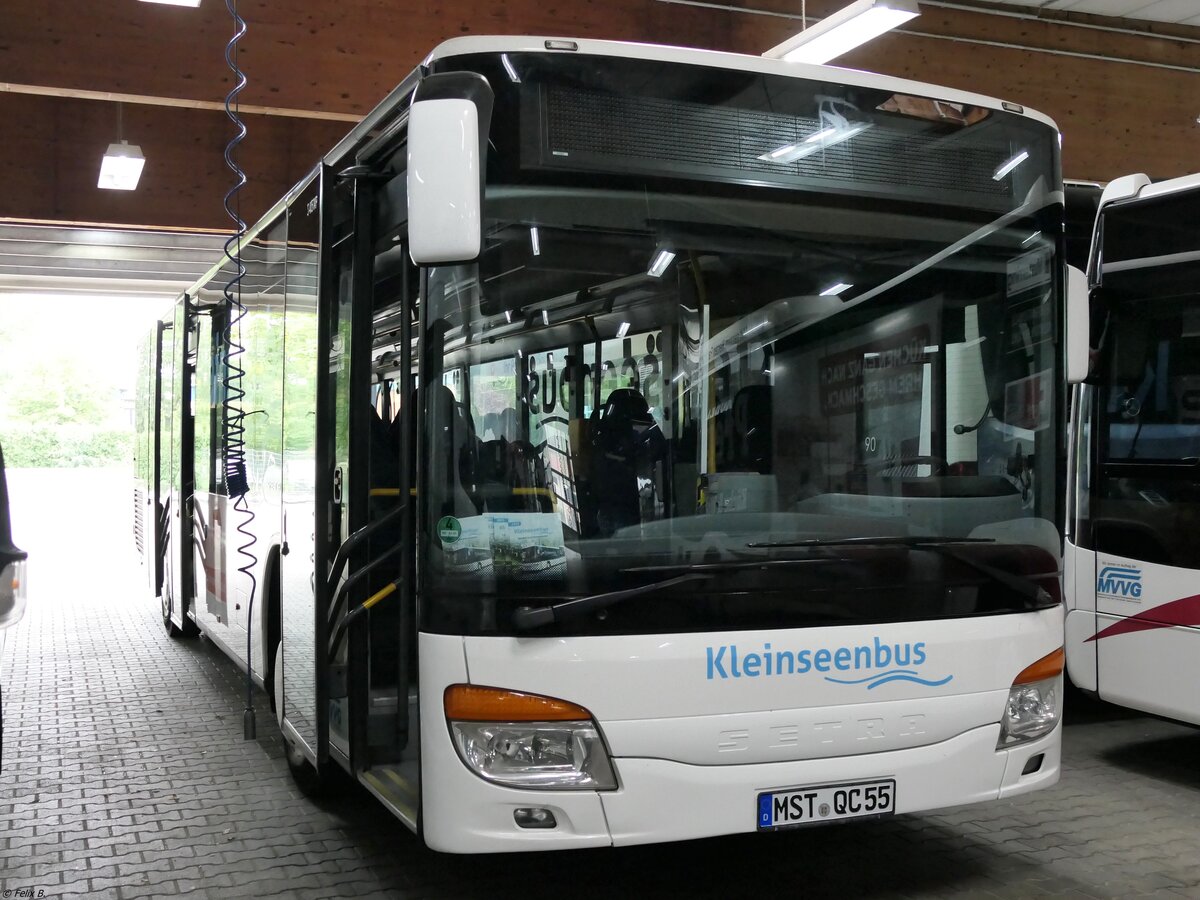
(1133, 622)
(642, 444)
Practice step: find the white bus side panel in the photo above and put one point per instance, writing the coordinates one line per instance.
(1154, 671)
(1079, 585)
(1147, 636)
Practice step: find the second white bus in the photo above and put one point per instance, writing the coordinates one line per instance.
(1133, 625)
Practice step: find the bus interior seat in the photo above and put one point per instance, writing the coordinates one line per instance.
(626, 442)
(452, 436)
(744, 480)
(512, 477)
(753, 423)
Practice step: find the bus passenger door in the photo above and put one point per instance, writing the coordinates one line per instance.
(1079, 559)
(176, 553)
(295, 666)
(1146, 510)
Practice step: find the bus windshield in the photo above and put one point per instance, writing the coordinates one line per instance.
(1145, 497)
(730, 320)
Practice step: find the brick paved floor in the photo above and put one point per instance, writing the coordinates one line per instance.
(125, 776)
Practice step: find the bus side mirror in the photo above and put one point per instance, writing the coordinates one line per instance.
(447, 154)
(1078, 330)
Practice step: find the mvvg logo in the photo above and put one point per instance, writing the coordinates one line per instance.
(1120, 582)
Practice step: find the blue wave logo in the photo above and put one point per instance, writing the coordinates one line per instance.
(874, 681)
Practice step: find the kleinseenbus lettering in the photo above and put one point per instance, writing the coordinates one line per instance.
(727, 661)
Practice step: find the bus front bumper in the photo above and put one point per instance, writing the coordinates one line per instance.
(660, 800)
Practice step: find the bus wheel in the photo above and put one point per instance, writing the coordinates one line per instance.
(172, 629)
(189, 629)
(307, 778)
(303, 773)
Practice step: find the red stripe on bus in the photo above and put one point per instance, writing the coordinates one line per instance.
(1178, 612)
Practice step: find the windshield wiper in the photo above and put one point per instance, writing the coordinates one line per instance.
(527, 617)
(900, 540)
(1018, 584)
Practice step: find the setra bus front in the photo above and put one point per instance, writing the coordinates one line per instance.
(742, 450)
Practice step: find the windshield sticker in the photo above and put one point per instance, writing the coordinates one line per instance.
(893, 662)
(449, 529)
(1030, 270)
(528, 545)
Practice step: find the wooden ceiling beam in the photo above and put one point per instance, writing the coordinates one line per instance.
(36, 90)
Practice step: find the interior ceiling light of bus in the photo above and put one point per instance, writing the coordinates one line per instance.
(835, 289)
(660, 262)
(834, 128)
(1007, 167)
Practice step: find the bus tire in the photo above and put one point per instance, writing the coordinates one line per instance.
(310, 782)
(303, 773)
(189, 629)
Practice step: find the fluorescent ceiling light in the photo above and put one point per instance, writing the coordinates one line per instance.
(175, 2)
(1033, 237)
(121, 167)
(834, 289)
(814, 143)
(861, 21)
(659, 264)
(623, 330)
(1011, 164)
(535, 241)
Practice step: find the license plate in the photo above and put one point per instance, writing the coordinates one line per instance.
(826, 803)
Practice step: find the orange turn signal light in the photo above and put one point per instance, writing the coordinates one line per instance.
(471, 703)
(1049, 666)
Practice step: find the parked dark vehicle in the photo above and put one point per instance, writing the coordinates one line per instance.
(12, 580)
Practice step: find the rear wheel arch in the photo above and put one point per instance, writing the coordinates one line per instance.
(271, 621)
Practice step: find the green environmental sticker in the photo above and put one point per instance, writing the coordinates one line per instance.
(449, 529)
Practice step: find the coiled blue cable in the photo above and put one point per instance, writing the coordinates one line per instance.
(236, 482)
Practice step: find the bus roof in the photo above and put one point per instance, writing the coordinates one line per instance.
(385, 113)
(1140, 187)
(462, 46)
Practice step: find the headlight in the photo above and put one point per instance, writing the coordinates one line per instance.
(12, 593)
(558, 748)
(1034, 706)
(544, 755)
